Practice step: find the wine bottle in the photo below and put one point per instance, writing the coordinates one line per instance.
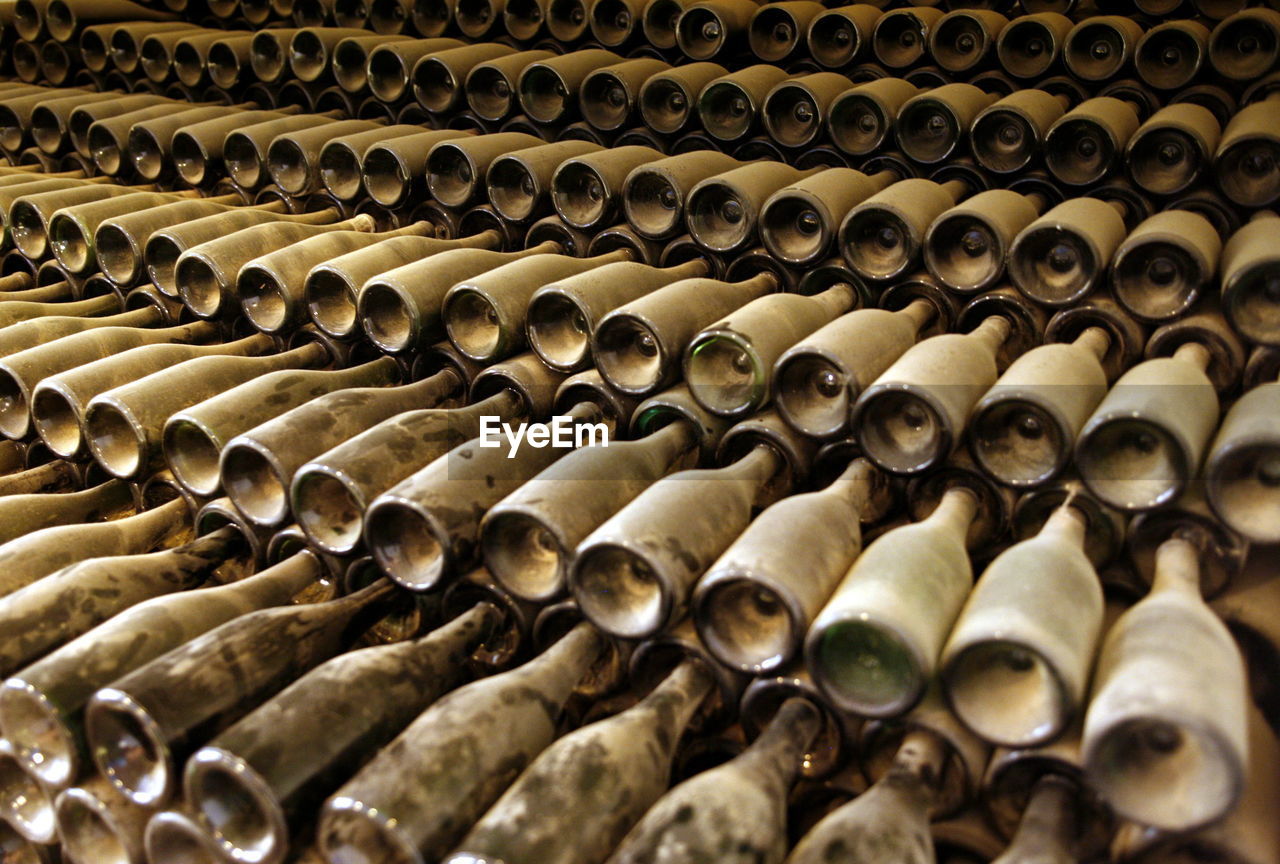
(332, 288)
(211, 681)
(35, 554)
(165, 246)
(205, 273)
(400, 309)
(924, 767)
(728, 364)
(1017, 662)
(270, 287)
(194, 437)
(737, 811)
(331, 493)
(818, 379)
(74, 600)
(633, 575)
(59, 401)
(1169, 695)
(254, 784)
(485, 314)
(563, 314)
(637, 346)
(22, 371)
(751, 610)
(23, 514)
(603, 776)
(257, 466)
(123, 425)
(1023, 431)
(528, 537)
(913, 416)
(421, 793)
(875, 644)
(41, 707)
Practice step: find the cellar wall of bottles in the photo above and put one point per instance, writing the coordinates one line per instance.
(639, 432)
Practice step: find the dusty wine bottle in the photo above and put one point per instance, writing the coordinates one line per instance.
(613, 787)
(194, 438)
(84, 595)
(913, 416)
(1016, 665)
(255, 783)
(1150, 705)
(874, 646)
(728, 365)
(416, 798)
(817, 380)
(638, 346)
(207, 683)
(41, 707)
(123, 426)
(738, 806)
(257, 466)
(633, 575)
(751, 612)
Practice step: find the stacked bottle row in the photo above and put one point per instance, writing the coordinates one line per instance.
(400, 292)
(1240, 44)
(850, 115)
(933, 519)
(876, 627)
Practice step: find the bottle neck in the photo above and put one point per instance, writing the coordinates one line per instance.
(679, 695)
(1066, 524)
(755, 469)
(1195, 354)
(758, 285)
(610, 257)
(922, 756)
(672, 442)
(489, 239)
(433, 389)
(865, 489)
(318, 217)
(920, 313)
(1047, 829)
(1095, 340)
(248, 346)
(696, 269)
(781, 747)
(505, 404)
(992, 332)
(836, 300)
(200, 558)
(1177, 568)
(197, 331)
(882, 180)
(571, 655)
(956, 511)
(957, 189)
(152, 527)
(308, 356)
(278, 583)
(361, 222)
(417, 229)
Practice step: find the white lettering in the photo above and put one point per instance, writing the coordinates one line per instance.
(489, 432)
(588, 431)
(562, 427)
(561, 432)
(514, 436)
